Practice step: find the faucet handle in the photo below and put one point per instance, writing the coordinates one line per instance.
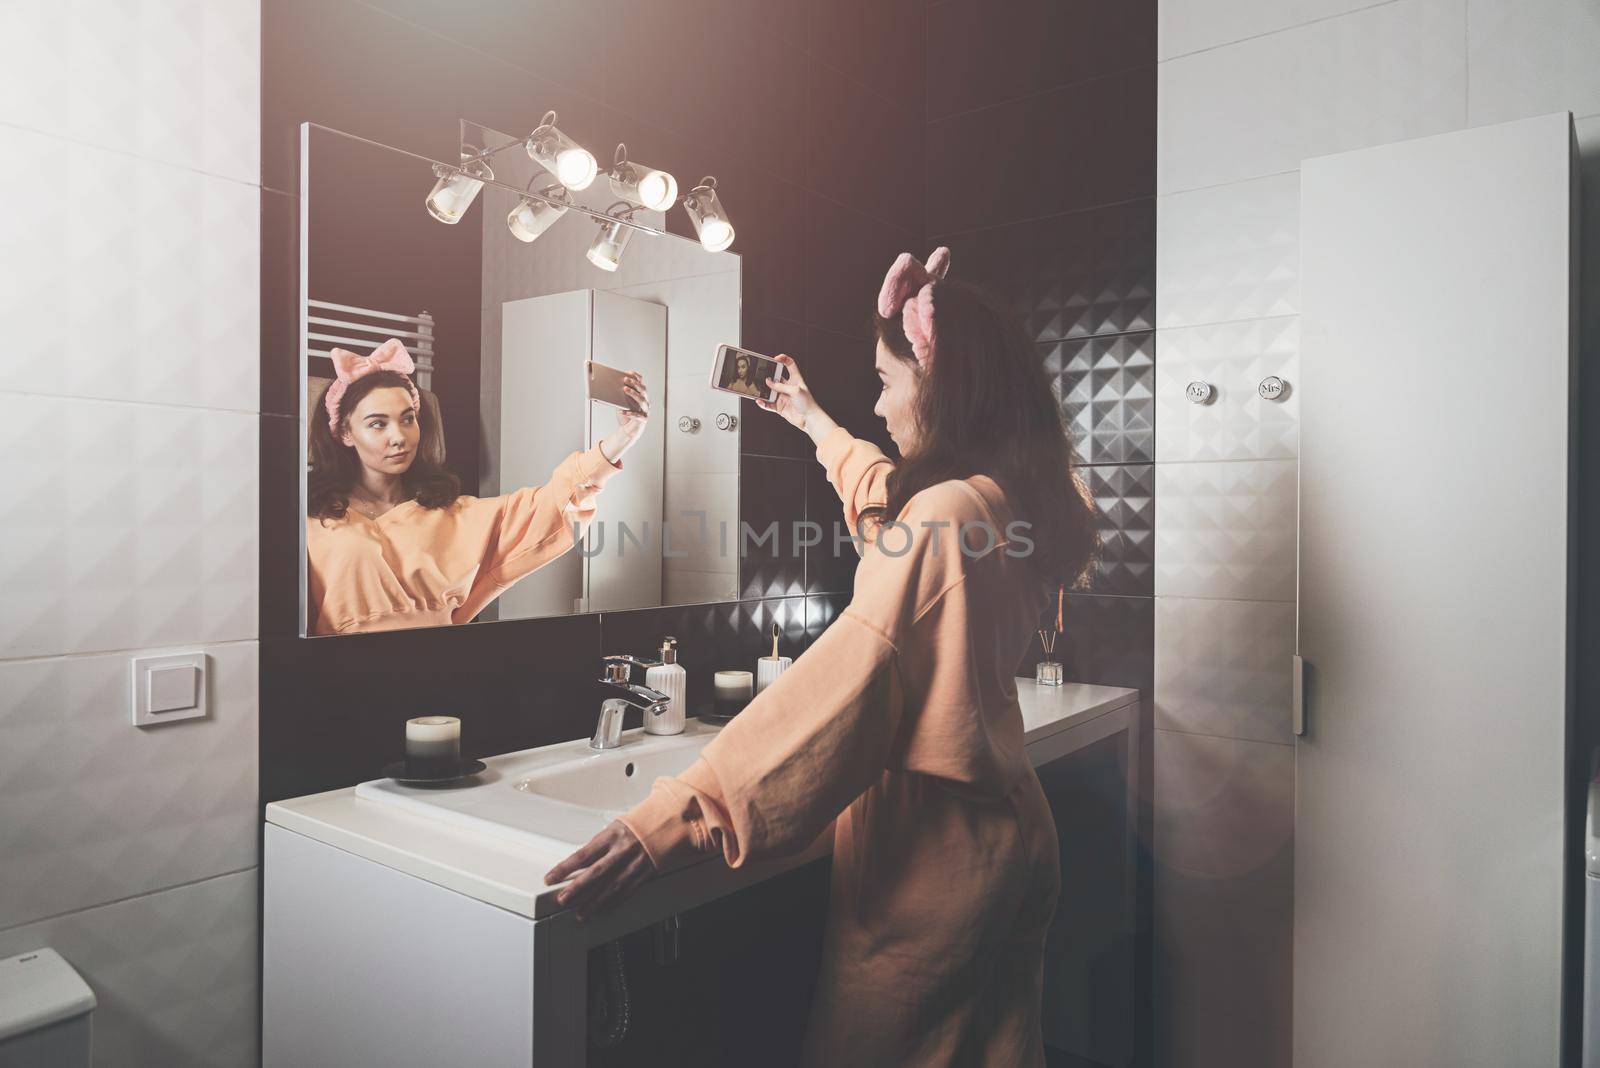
(619, 667)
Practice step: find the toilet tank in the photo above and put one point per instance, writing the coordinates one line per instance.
(45, 1008)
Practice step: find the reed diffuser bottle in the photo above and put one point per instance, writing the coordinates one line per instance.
(1047, 672)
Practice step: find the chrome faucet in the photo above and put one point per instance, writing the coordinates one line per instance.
(619, 678)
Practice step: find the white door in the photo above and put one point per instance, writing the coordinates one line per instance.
(1435, 457)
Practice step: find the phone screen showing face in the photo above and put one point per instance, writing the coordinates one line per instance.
(741, 371)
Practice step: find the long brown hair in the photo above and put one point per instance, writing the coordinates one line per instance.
(984, 406)
(335, 467)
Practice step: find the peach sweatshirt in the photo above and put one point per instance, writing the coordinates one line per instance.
(421, 567)
(900, 726)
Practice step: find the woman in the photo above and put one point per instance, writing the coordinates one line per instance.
(391, 542)
(744, 377)
(902, 720)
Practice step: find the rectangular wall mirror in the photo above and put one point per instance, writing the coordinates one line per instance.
(499, 331)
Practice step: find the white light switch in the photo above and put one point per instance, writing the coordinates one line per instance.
(167, 688)
(172, 689)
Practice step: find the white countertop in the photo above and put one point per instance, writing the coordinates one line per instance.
(511, 874)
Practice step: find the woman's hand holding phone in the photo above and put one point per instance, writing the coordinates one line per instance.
(630, 424)
(796, 404)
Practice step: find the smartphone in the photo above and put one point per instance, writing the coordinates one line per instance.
(605, 386)
(745, 373)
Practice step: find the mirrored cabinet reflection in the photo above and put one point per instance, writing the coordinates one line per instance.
(457, 468)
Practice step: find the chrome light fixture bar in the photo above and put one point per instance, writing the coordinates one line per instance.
(636, 185)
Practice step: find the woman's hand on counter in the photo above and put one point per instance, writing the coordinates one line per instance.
(629, 424)
(613, 865)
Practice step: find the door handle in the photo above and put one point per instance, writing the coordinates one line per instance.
(1298, 702)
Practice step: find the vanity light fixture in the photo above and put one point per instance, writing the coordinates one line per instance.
(535, 214)
(605, 252)
(709, 217)
(572, 164)
(573, 167)
(457, 188)
(641, 185)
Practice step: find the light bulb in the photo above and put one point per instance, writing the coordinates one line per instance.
(455, 191)
(716, 235)
(709, 217)
(605, 252)
(575, 168)
(658, 189)
(642, 186)
(532, 217)
(568, 161)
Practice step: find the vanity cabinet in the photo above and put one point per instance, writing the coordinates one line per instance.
(392, 939)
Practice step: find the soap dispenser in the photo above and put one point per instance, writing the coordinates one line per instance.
(670, 678)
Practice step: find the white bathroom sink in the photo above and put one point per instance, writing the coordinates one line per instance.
(556, 797)
(614, 780)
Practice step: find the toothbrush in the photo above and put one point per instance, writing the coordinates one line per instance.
(774, 641)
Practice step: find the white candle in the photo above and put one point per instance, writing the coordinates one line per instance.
(433, 738)
(733, 690)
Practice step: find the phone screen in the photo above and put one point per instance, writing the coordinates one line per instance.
(745, 372)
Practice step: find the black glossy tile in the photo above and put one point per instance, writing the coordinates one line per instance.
(1106, 388)
(976, 59)
(839, 371)
(846, 254)
(821, 611)
(770, 217)
(1079, 147)
(539, 39)
(1109, 641)
(280, 303)
(660, 62)
(352, 67)
(763, 433)
(333, 710)
(831, 562)
(880, 44)
(763, 97)
(862, 149)
(1124, 497)
(1074, 275)
(711, 637)
(771, 509)
(281, 522)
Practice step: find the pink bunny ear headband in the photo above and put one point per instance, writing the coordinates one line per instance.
(908, 290)
(347, 366)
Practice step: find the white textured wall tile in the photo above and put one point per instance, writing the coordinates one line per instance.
(97, 809)
(1532, 57)
(1223, 807)
(1225, 968)
(707, 451)
(1190, 25)
(1226, 530)
(173, 80)
(176, 973)
(1229, 252)
(1261, 106)
(1223, 668)
(127, 279)
(130, 526)
(1237, 423)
